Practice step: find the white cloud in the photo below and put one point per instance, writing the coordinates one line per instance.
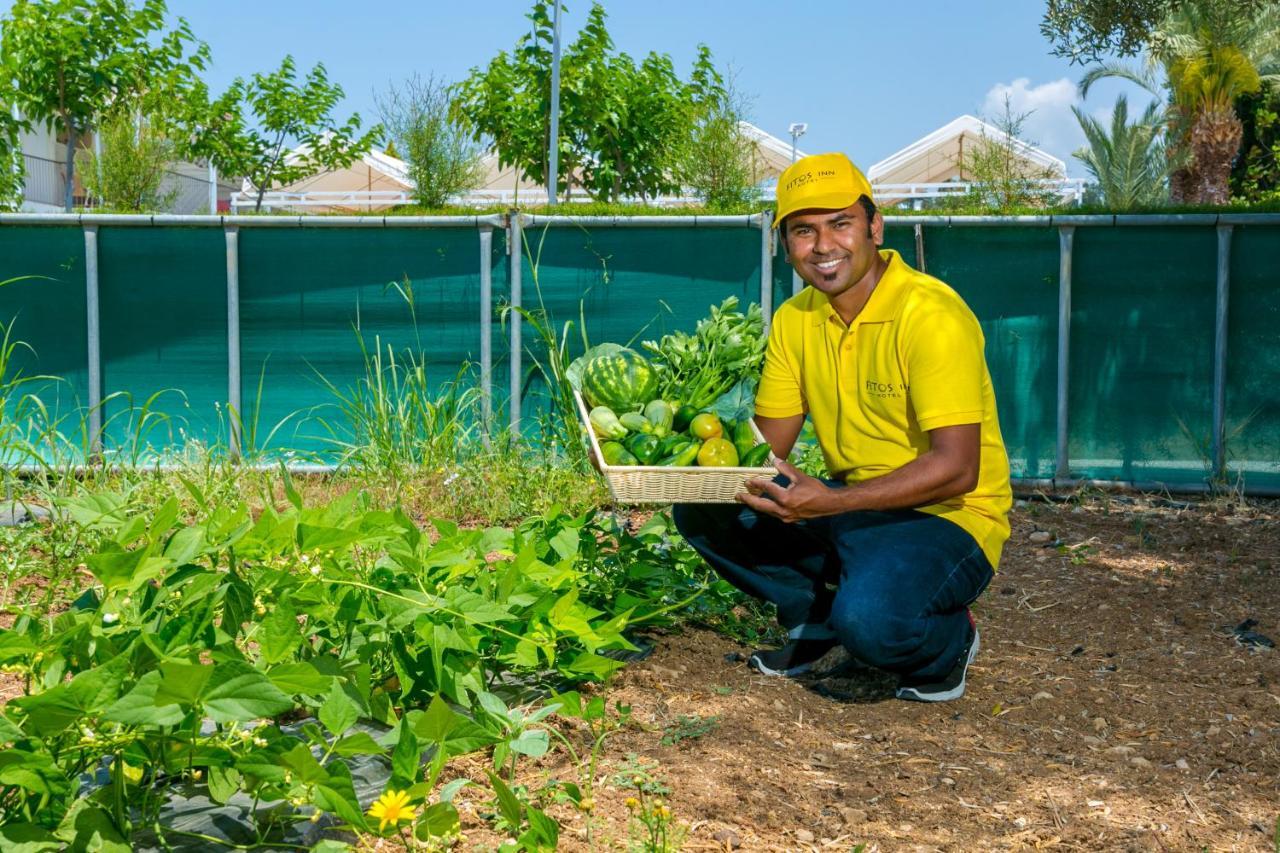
(1051, 124)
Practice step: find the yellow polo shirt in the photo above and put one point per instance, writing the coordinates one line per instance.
(912, 361)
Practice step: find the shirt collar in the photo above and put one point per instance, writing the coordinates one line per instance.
(884, 301)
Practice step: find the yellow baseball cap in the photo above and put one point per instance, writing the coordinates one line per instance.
(822, 181)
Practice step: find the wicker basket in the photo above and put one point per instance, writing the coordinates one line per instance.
(660, 484)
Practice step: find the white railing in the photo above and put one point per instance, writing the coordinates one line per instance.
(322, 198)
(1070, 189)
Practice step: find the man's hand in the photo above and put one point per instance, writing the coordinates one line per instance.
(805, 497)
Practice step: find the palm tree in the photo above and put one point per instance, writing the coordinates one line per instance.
(1210, 53)
(1129, 163)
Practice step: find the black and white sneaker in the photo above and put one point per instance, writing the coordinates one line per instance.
(951, 686)
(795, 658)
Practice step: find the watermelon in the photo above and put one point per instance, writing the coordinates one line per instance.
(624, 381)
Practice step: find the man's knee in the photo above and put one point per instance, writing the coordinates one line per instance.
(704, 519)
(874, 631)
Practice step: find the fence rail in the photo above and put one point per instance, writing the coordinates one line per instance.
(1065, 330)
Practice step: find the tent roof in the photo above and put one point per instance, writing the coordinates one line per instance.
(932, 156)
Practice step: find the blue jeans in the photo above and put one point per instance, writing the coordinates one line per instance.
(902, 579)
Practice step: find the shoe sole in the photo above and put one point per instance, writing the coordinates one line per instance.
(755, 663)
(914, 695)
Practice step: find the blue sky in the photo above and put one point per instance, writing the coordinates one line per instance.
(868, 78)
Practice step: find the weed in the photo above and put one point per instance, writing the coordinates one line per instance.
(689, 727)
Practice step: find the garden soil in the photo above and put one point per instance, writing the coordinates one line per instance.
(1113, 707)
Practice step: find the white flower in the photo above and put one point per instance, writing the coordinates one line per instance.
(315, 571)
(110, 618)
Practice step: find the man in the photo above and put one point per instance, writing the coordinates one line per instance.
(888, 364)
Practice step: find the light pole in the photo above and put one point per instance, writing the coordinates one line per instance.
(553, 155)
(797, 130)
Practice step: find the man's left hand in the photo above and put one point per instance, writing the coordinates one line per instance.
(805, 497)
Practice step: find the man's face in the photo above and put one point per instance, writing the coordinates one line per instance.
(833, 249)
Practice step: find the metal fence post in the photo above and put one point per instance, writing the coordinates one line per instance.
(1220, 354)
(94, 339)
(235, 418)
(766, 268)
(1066, 239)
(515, 246)
(486, 328)
(920, 247)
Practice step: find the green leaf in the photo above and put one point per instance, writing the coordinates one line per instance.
(339, 711)
(289, 491)
(565, 543)
(223, 783)
(405, 758)
(138, 707)
(438, 820)
(15, 646)
(241, 693)
(28, 838)
(87, 827)
(279, 634)
(301, 677)
(125, 570)
(531, 743)
(587, 663)
(338, 796)
(357, 743)
(182, 683)
(510, 808)
(543, 828)
(307, 769)
(9, 731)
(187, 544)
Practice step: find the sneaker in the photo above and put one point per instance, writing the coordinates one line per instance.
(795, 658)
(951, 686)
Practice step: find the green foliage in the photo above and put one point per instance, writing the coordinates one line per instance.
(135, 155)
(1128, 162)
(66, 62)
(1086, 30)
(442, 159)
(623, 123)
(1255, 174)
(724, 349)
(718, 164)
(249, 129)
(689, 727)
(11, 165)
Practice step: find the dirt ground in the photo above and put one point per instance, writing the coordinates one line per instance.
(1111, 708)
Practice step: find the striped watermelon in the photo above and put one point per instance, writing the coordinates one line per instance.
(623, 381)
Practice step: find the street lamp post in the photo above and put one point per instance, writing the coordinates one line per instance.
(797, 130)
(553, 155)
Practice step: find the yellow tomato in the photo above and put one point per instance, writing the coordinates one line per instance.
(718, 453)
(706, 425)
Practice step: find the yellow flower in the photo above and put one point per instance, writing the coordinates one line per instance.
(391, 808)
(633, 803)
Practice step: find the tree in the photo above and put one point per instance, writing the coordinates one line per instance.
(247, 131)
(1210, 53)
(1003, 177)
(1255, 174)
(718, 163)
(1087, 30)
(135, 156)
(623, 123)
(441, 156)
(1129, 162)
(68, 61)
(10, 155)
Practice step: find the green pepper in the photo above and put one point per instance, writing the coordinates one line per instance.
(683, 457)
(743, 437)
(756, 457)
(671, 443)
(683, 417)
(615, 454)
(644, 447)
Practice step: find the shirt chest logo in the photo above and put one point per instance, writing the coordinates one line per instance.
(884, 390)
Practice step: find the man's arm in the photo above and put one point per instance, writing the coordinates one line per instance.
(780, 433)
(947, 469)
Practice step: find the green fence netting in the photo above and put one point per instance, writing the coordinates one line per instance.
(1253, 358)
(1141, 357)
(316, 302)
(46, 313)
